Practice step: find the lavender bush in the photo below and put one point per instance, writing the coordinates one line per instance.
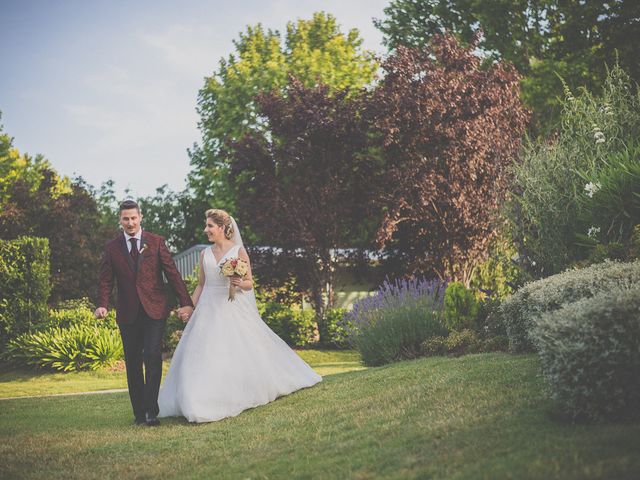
(391, 324)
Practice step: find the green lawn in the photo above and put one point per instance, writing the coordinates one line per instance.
(477, 416)
(27, 383)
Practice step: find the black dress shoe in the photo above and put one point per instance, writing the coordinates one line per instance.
(152, 420)
(139, 421)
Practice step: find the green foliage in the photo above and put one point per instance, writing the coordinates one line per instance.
(435, 346)
(78, 347)
(611, 207)
(545, 40)
(24, 283)
(489, 322)
(76, 312)
(549, 191)
(21, 168)
(498, 275)
(462, 342)
(292, 324)
(460, 307)
(398, 335)
(312, 51)
(590, 355)
(523, 308)
(174, 326)
(69, 338)
(331, 329)
(608, 251)
(36, 201)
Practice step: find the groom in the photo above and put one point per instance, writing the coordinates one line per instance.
(137, 260)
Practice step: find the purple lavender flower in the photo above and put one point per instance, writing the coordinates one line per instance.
(401, 294)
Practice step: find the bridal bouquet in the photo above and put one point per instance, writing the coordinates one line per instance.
(233, 267)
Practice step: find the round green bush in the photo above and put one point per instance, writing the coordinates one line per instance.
(332, 331)
(590, 355)
(292, 324)
(536, 298)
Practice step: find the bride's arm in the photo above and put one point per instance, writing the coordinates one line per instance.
(246, 283)
(196, 293)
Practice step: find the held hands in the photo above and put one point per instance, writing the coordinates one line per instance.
(184, 313)
(100, 312)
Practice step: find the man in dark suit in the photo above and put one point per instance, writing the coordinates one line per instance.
(136, 260)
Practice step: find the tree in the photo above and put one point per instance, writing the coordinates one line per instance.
(312, 50)
(308, 181)
(36, 201)
(544, 39)
(448, 129)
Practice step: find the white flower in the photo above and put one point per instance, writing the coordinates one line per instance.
(593, 231)
(591, 188)
(600, 140)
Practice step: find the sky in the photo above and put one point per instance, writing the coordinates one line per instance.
(107, 89)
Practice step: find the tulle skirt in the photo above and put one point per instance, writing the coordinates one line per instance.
(229, 360)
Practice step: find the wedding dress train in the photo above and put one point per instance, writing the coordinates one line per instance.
(228, 359)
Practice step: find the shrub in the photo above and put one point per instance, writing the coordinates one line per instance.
(292, 324)
(78, 347)
(546, 207)
(611, 202)
(76, 312)
(332, 329)
(499, 274)
(175, 326)
(489, 322)
(24, 285)
(392, 324)
(499, 343)
(608, 251)
(172, 332)
(521, 309)
(457, 343)
(435, 346)
(460, 307)
(590, 355)
(462, 342)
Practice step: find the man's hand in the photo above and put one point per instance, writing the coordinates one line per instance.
(184, 313)
(100, 312)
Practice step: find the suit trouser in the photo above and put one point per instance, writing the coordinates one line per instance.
(142, 342)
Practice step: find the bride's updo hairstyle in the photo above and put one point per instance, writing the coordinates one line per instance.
(222, 219)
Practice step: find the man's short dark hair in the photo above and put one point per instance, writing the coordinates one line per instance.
(129, 204)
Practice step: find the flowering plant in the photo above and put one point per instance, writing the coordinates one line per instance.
(233, 267)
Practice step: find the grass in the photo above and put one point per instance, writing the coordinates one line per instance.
(24, 383)
(477, 416)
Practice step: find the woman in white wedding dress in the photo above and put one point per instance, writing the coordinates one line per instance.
(228, 359)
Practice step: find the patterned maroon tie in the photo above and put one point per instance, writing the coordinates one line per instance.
(134, 250)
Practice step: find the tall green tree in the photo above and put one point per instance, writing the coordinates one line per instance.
(543, 39)
(312, 51)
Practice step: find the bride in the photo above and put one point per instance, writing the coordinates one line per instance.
(228, 359)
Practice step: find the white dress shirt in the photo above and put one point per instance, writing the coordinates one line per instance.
(137, 236)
